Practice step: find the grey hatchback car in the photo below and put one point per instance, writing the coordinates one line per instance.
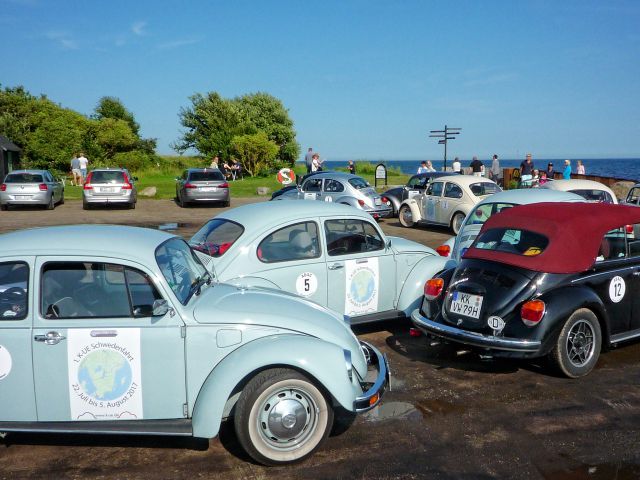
(31, 187)
(202, 185)
(107, 186)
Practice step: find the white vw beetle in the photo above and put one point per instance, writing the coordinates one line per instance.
(333, 254)
(590, 190)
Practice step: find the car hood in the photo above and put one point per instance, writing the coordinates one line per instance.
(277, 309)
(402, 245)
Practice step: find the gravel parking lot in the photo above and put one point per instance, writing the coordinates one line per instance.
(449, 415)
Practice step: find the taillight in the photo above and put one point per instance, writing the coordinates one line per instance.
(87, 182)
(127, 185)
(224, 185)
(443, 250)
(361, 202)
(433, 288)
(629, 228)
(190, 185)
(532, 312)
(3, 187)
(384, 199)
(43, 187)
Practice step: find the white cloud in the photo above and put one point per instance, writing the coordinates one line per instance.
(62, 39)
(179, 43)
(138, 28)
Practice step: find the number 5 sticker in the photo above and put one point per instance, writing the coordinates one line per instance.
(617, 289)
(306, 284)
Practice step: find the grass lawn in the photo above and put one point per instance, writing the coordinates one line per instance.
(165, 184)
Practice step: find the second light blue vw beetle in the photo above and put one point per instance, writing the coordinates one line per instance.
(120, 330)
(332, 254)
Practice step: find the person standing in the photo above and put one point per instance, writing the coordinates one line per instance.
(308, 159)
(84, 162)
(422, 168)
(477, 167)
(550, 171)
(580, 168)
(526, 167)
(456, 166)
(316, 163)
(566, 173)
(351, 167)
(214, 162)
(495, 172)
(75, 170)
(430, 166)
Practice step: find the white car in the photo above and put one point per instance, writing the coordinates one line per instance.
(455, 247)
(590, 190)
(447, 201)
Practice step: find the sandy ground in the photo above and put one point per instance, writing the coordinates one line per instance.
(449, 415)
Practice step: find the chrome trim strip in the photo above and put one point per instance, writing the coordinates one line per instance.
(623, 337)
(473, 338)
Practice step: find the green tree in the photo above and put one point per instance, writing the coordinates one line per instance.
(255, 152)
(114, 136)
(112, 107)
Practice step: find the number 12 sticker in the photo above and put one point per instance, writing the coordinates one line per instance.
(617, 289)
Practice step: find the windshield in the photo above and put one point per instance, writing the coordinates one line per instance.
(484, 188)
(101, 176)
(181, 268)
(23, 178)
(358, 183)
(216, 236)
(481, 213)
(509, 240)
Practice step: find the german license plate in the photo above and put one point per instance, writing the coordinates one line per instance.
(209, 189)
(107, 190)
(23, 197)
(466, 304)
(378, 202)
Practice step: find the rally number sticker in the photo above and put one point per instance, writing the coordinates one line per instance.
(306, 284)
(617, 289)
(5, 363)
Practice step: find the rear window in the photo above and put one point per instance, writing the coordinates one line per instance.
(507, 240)
(484, 188)
(358, 183)
(481, 213)
(216, 236)
(208, 176)
(23, 178)
(596, 196)
(107, 177)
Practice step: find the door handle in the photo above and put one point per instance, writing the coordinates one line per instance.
(50, 338)
(362, 261)
(336, 266)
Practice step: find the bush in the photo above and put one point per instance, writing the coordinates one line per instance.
(133, 161)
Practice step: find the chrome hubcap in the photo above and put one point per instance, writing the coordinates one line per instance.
(580, 344)
(406, 215)
(287, 418)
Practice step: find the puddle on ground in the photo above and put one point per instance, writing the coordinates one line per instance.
(406, 410)
(596, 472)
(437, 407)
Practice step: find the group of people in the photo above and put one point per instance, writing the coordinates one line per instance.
(230, 172)
(79, 164)
(313, 162)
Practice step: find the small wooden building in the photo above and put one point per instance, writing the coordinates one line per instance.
(9, 156)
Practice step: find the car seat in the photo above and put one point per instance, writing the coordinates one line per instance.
(302, 244)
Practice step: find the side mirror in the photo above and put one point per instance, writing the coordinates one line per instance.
(387, 243)
(160, 307)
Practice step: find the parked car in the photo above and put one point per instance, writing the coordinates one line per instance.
(588, 189)
(299, 181)
(332, 254)
(197, 185)
(446, 201)
(633, 196)
(455, 247)
(416, 185)
(109, 186)
(553, 279)
(101, 335)
(31, 187)
(338, 187)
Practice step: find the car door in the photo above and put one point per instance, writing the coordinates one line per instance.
(17, 403)
(450, 203)
(431, 201)
(312, 189)
(292, 258)
(98, 351)
(633, 251)
(361, 270)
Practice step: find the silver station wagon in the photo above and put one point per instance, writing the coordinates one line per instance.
(101, 335)
(332, 254)
(200, 185)
(338, 187)
(31, 187)
(109, 186)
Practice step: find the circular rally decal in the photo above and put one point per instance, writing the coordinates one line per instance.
(306, 284)
(617, 289)
(5, 362)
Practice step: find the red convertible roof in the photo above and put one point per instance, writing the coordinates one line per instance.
(574, 230)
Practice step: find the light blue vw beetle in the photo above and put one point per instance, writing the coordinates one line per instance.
(109, 329)
(332, 254)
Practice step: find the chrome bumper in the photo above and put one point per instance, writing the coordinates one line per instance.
(473, 338)
(373, 395)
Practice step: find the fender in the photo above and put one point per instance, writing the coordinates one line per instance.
(415, 209)
(251, 282)
(413, 287)
(348, 200)
(300, 352)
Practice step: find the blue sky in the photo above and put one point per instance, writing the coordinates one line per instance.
(361, 79)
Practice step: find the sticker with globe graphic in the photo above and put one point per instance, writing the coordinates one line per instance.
(362, 286)
(104, 374)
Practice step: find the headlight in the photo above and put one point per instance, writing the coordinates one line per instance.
(348, 364)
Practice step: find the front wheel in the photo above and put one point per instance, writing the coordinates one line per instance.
(282, 417)
(578, 346)
(62, 199)
(406, 216)
(51, 204)
(456, 222)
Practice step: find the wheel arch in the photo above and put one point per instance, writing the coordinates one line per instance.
(413, 286)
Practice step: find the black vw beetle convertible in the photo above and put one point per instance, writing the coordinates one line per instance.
(548, 279)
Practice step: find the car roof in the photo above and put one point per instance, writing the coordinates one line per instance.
(524, 196)
(465, 180)
(27, 171)
(259, 216)
(109, 169)
(574, 231)
(341, 175)
(94, 240)
(576, 184)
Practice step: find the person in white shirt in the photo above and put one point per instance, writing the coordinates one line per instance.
(84, 162)
(456, 166)
(422, 168)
